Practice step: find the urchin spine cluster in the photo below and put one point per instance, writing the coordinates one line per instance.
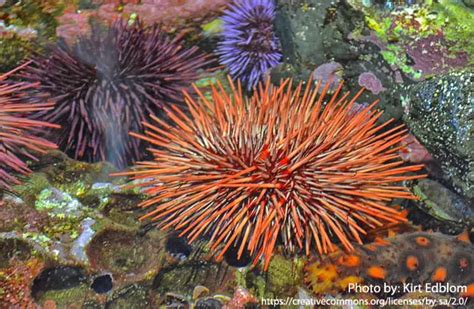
(105, 85)
(281, 167)
(249, 47)
(19, 133)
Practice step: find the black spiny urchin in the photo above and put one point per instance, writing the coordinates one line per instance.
(107, 83)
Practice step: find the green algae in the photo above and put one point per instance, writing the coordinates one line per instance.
(68, 297)
(451, 18)
(213, 27)
(458, 25)
(39, 16)
(32, 187)
(284, 274)
(431, 207)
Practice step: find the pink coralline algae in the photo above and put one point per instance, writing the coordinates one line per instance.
(328, 72)
(240, 299)
(431, 55)
(369, 81)
(165, 12)
(73, 25)
(413, 151)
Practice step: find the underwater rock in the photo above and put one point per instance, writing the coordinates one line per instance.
(405, 258)
(79, 245)
(58, 203)
(169, 13)
(440, 113)
(369, 81)
(15, 283)
(314, 31)
(126, 255)
(469, 3)
(431, 55)
(443, 204)
(14, 249)
(328, 72)
(183, 278)
(16, 215)
(132, 296)
(57, 278)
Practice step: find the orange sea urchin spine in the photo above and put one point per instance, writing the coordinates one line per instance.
(17, 131)
(283, 166)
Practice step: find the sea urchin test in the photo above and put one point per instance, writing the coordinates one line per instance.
(286, 167)
(107, 83)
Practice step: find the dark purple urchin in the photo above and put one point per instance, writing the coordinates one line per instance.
(107, 83)
(249, 47)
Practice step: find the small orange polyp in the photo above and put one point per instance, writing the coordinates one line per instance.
(376, 272)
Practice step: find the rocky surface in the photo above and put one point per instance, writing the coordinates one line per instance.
(70, 237)
(316, 33)
(440, 113)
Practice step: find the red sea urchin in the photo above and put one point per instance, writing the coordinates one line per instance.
(18, 132)
(107, 83)
(279, 166)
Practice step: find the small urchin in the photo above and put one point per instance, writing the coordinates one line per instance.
(19, 132)
(249, 47)
(285, 166)
(107, 83)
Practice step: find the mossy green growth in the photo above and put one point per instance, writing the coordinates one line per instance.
(66, 206)
(284, 274)
(241, 277)
(394, 55)
(39, 16)
(431, 207)
(212, 28)
(67, 297)
(76, 189)
(13, 49)
(32, 186)
(42, 240)
(458, 25)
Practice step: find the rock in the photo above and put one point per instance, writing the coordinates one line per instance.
(79, 245)
(58, 203)
(131, 296)
(440, 113)
(469, 3)
(125, 254)
(315, 32)
(57, 278)
(184, 277)
(443, 204)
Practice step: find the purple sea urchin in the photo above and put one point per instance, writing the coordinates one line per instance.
(107, 83)
(249, 47)
(18, 133)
